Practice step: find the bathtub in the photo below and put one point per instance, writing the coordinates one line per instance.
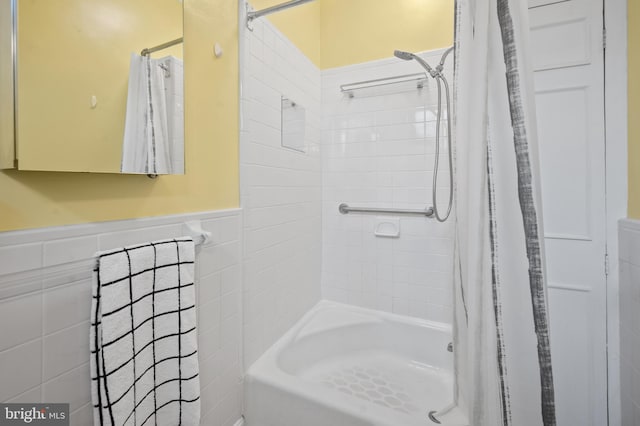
(346, 366)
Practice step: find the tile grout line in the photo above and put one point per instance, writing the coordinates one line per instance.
(25, 392)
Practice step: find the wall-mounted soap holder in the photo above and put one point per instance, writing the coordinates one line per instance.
(387, 227)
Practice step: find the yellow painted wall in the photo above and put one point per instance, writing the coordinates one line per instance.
(355, 31)
(335, 33)
(300, 24)
(38, 199)
(69, 51)
(634, 108)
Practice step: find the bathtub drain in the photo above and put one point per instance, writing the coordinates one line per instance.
(432, 417)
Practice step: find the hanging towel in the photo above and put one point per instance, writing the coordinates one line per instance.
(144, 362)
(154, 123)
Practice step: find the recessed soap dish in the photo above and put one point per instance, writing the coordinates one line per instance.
(387, 227)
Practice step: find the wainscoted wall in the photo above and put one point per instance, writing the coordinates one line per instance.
(378, 151)
(45, 299)
(629, 240)
(280, 189)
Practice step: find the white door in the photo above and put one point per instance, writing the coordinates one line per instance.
(567, 46)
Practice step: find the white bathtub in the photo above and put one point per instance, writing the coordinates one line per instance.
(346, 366)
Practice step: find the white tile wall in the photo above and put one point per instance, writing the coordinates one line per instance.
(280, 189)
(378, 151)
(45, 299)
(629, 253)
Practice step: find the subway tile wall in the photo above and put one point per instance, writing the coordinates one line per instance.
(378, 150)
(629, 253)
(45, 300)
(280, 189)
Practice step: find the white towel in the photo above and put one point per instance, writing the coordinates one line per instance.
(144, 362)
(154, 123)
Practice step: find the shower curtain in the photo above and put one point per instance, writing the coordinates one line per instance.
(502, 354)
(153, 135)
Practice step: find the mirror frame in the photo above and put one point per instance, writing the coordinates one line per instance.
(8, 39)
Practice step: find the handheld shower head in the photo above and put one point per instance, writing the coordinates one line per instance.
(407, 56)
(440, 81)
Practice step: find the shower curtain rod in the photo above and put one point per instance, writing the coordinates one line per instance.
(162, 46)
(273, 9)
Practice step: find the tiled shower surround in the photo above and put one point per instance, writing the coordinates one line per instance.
(280, 189)
(378, 151)
(375, 149)
(45, 299)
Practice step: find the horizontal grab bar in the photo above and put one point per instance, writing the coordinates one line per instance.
(345, 209)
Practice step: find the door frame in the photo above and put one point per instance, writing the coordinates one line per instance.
(616, 139)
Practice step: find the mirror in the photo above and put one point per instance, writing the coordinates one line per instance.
(293, 125)
(86, 100)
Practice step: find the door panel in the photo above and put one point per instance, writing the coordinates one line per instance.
(569, 310)
(566, 41)
(569, 38)
(538, 3)
(564, 151)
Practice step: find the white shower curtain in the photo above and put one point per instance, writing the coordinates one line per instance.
(502, 355)
(153, 135)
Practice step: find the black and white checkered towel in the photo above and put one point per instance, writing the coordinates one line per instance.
(144, 362)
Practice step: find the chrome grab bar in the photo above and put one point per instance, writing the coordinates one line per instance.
(345, 209)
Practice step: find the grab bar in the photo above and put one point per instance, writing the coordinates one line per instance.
(345, 209)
